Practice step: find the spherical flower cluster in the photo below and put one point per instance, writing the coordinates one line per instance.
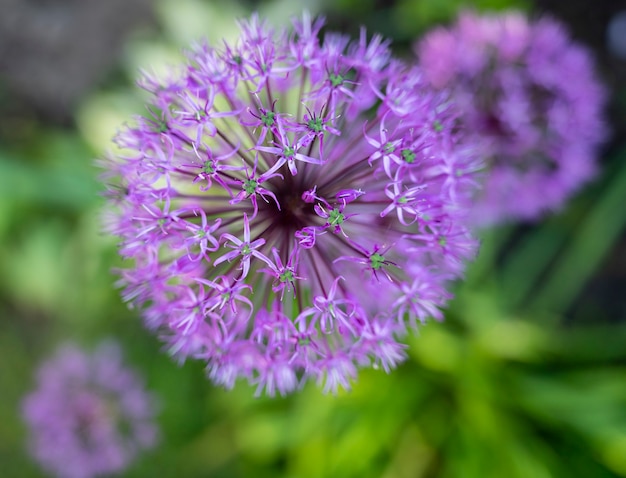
(531, 99)
(290, 205)
(89, 415)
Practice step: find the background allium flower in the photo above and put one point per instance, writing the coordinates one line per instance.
(89, 415)
(289, 205)
(531, 97)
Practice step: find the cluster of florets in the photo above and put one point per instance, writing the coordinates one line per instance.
(290, 205)
(89, 415)
(531, 99)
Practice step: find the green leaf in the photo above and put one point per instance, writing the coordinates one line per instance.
(589, 244)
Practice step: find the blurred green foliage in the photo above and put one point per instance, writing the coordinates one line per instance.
(405, 20)
(505, 387)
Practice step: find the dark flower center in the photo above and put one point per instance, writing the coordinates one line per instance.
(294, 212)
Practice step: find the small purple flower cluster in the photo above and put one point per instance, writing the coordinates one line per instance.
(89, 415)
(290, 205)
(531, 99)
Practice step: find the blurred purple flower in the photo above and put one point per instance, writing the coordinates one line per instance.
(89, 415)
(531, 99)
(289, 205)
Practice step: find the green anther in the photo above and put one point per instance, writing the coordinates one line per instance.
(289, 152)
(245, 249)
(161, 126)
(442, 241)
(377, 261)
(437, 126)
(336, 80)
(209, 167)
(250, 185)
(336, 217)
(157, 122)
(389, 148)
(304, 341)
(200, 114)
(237, 59)
(408, 156)
(331, 310)
(403, 200)
(286, 276)
(226, 296)
(268, 118)
(315, 125)
(161, 222)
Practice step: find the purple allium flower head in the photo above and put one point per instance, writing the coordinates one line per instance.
(530, 97)
(290, 205)
(89, 415)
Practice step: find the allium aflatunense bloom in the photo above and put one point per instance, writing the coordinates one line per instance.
(532, 100)
(289, 205)
(89, 415)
